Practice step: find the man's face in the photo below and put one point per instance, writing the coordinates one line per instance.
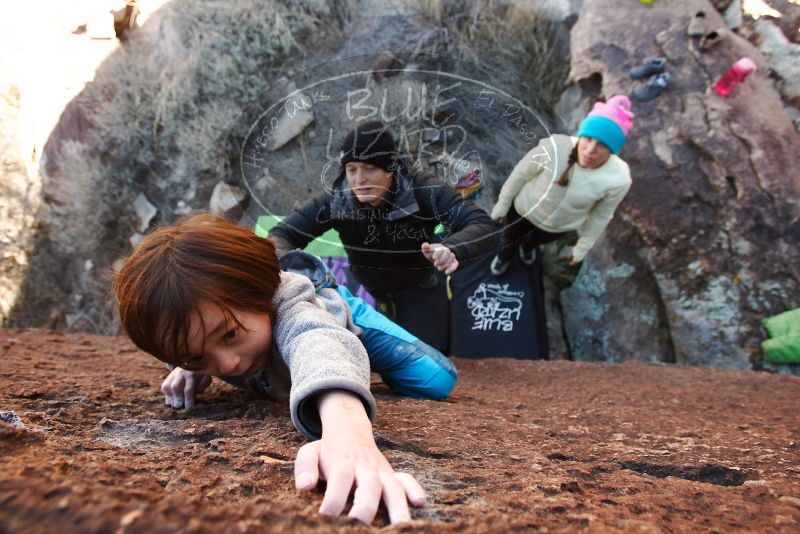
(368, 182)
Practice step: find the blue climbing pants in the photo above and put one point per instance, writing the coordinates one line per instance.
(408, 365)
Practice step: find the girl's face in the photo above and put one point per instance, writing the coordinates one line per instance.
(369, 183)
(592, 153)
(228, 350)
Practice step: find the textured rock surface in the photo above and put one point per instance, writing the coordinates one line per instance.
(18, 202)
(783, 58)
(704, 245)
(88, 446)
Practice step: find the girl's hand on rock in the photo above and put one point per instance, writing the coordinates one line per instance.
(347, 457)
(181, 387)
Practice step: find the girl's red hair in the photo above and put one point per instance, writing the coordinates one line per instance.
(201, 257)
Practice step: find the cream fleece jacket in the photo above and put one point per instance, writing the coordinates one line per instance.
(587, 204)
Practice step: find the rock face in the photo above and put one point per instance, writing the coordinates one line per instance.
(18, 202)
(705, 243)
(702, 248)
(88, 446)
(151, 125)
(783, 59)
(160, 122)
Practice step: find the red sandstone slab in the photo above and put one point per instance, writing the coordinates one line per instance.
(88, 446)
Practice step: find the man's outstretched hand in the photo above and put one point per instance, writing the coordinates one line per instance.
(441, 257)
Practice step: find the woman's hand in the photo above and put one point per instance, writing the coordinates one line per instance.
(347, 457)
(181, 386)
(501, 220)
(440, 256)
(570, 259)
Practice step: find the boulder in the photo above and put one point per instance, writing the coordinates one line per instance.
(705, 243)
(734, 17)
(789, 21)
(297, 117)
(782, 58)
(145, 211)
(701, 249)
(18, 202)
(228, 200)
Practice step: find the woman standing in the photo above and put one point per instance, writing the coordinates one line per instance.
(564, 184)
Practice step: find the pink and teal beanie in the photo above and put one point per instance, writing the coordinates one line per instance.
(609, 122)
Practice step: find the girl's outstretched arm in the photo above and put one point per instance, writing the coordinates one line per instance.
(347, 457)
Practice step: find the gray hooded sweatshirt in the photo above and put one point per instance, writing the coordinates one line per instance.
(314, 348)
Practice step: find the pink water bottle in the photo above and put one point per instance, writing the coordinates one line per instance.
(734, 76)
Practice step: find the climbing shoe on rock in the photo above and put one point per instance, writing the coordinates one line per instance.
(653, 65)
(655, 86)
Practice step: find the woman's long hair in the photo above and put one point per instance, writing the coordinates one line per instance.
(563, 180)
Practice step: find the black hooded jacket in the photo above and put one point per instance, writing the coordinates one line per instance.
(383, 243)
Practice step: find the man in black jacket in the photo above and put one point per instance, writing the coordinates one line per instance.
(386, 215)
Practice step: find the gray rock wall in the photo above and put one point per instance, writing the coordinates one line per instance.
(704, 246)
